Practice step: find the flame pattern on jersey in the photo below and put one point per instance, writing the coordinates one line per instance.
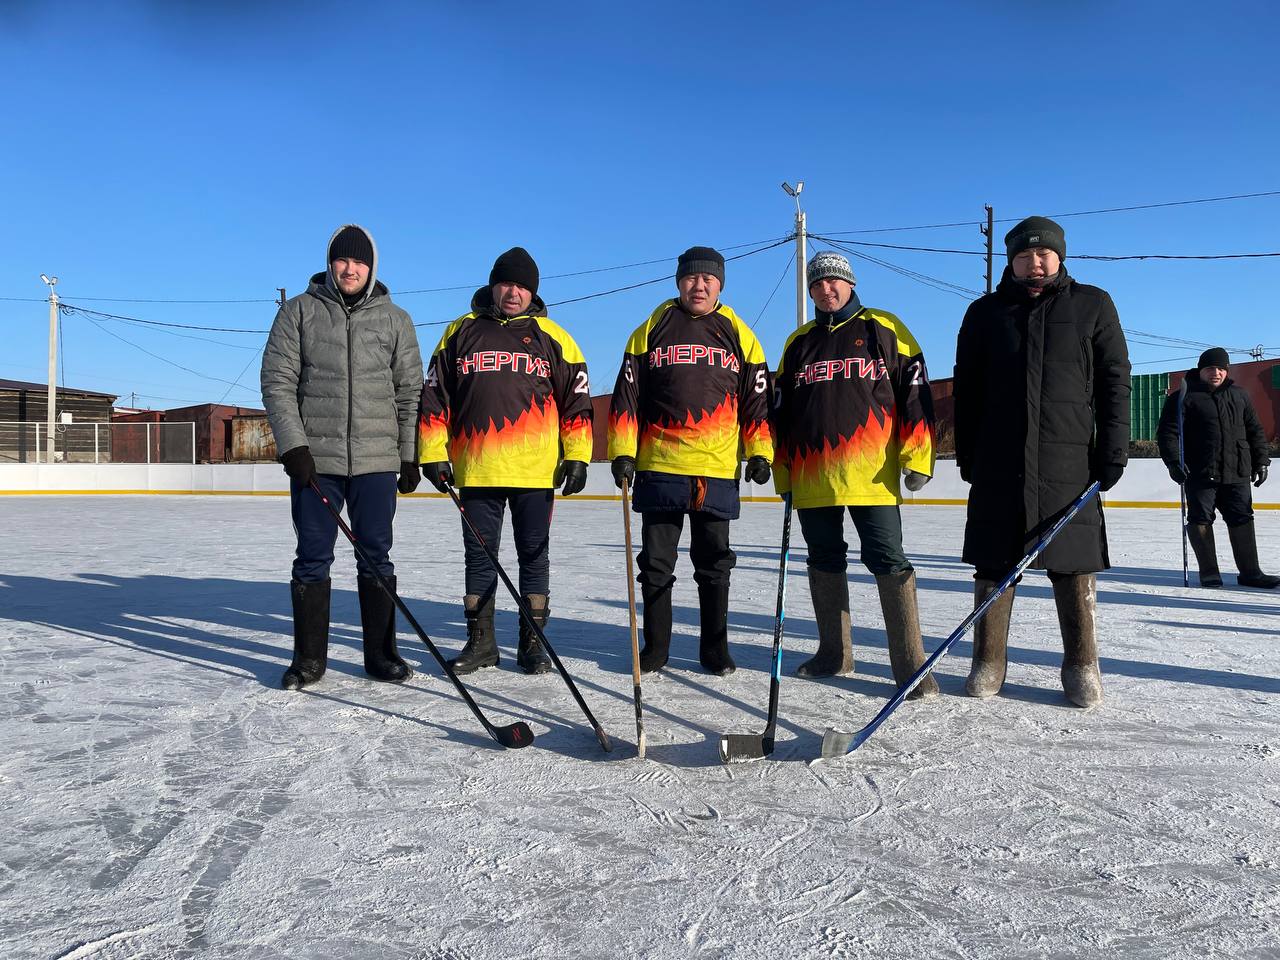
(505, 399)
(692, 396)
(853, 410)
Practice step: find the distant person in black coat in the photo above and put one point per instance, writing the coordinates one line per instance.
(1042, 409)
(1223, 449)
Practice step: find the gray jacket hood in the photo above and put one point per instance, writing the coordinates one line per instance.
(372, 289)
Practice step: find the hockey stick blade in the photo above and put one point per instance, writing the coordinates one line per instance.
(836, 743)
(514, 736)
(744, 747)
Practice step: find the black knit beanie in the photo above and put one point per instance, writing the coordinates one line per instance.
(351, 243)
(515, 266)
(701, 260)
(1214, 357)
(1036, 232)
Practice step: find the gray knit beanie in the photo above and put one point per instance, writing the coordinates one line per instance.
(826, 264)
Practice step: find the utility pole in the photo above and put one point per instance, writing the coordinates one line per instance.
(280, 302)
(802, 305)
(52, 283)
(987, 232)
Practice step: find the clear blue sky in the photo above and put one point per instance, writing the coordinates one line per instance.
(191, 151)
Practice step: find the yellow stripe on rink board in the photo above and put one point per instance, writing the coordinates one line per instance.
(918, 502)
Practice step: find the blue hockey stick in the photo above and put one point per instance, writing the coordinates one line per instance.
(836, 743)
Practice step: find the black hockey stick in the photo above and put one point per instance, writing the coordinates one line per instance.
(1182, 487)
(528, 618)
(513, 735)
(631, 610)
(836, 743)
(740, 747)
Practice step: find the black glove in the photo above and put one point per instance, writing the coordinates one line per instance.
(757, 470)
(1108, 474)
(299, 465)
(1177, 474)
(575, 477)
(914, 480)
(439, 475)
(624, 468)
(966, 472)
(1259, 474)
(410, 477)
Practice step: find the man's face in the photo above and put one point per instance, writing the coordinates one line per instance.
(511, 298)
(830, 293)
(1213, 376)
(1036, 263)
(699, 293)
(351, 275)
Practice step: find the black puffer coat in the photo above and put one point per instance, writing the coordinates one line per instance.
(1041, 401)
(1223, 442)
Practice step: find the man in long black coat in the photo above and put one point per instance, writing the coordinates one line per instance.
(1042, 409)
(1223, 448)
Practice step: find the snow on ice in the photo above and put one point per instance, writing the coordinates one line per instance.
(163, 798)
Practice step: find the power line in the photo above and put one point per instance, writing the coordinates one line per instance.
(786, 268)
(157, 356)
(936, 283)
(1075, 256)
(1078, 213)
(73, 308)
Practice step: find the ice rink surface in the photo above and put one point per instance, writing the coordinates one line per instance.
(162, 797)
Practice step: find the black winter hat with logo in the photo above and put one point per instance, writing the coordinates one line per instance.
(1036, 232)
(515, 266)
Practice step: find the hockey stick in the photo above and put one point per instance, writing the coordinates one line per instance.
(1182, 487)
(631, 610)
(516, 734)
(741, 747)
(528, 618)
(836, 743)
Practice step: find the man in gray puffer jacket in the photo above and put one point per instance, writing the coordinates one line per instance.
(341, 376)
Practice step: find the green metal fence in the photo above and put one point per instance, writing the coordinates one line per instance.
(1145, 404)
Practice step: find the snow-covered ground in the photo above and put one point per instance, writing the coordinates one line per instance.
(163, 798)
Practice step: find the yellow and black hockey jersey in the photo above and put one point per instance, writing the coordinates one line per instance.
(692, 397)
(853, 408)
(505, 399)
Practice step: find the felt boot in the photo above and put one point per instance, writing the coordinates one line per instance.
(830, 592)
(1200, 536)
(990, 641)
(657, 627)
(902, 627)
(1244, 546)
(310, 634)
(378, 620)
(713, 643)
(1076, 596)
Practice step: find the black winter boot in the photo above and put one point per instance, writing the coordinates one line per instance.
(310, 634)
(713, 644)
(902, 627)
(990, 641)
(657, 627)
(830, 592)
(1200, 536)
(1245, 547)
(481, 649)
(531, 657)
(1076, 597)
(378, 621)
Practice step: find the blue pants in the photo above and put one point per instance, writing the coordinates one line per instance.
(371, 506)
(531, 525)
(879, 531)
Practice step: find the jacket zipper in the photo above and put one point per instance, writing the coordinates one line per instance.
(350, 388)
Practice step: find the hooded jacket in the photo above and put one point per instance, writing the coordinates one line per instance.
(1223, 440)
(854, 409)
(692, 396)
(506, 399)
(342, 380)
(1041, 400)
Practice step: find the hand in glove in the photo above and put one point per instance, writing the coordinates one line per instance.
(299, 465)
(1177, 474)
(575, 477)
(410, 477)
(914, 481)
(1259, 474)
(624, 468)
(439, 475)
(757, 470)
(1108, 474)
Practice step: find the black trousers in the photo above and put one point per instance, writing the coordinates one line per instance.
(371, 506)
(531, 526)
(1233, 500)
(879, 532)
(708, 548)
